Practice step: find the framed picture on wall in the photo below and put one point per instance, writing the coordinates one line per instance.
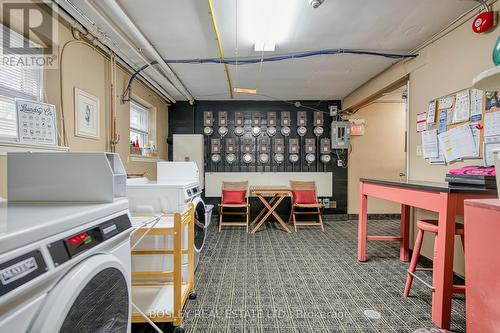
(87, 115)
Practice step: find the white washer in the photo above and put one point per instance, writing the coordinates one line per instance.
(65, 267)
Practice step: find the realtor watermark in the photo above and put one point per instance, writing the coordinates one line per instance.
(29, 34)
(250, 313)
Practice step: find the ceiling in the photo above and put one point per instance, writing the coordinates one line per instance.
(180, 29)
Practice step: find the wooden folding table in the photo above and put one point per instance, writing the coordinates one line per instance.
(276, 196)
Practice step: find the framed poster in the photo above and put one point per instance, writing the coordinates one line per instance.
(36, 122)
(87, 115)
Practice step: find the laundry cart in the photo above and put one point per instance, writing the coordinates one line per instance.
(160, 293)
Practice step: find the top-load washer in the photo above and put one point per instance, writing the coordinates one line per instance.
(65, 267)
(176, 186)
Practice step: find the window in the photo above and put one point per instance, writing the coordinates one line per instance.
(16, 82)
(139, 123)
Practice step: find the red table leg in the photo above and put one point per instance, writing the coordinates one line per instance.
(443, 265)
(405, 233)
(363, 216)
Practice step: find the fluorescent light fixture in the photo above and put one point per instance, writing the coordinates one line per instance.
(266, 23)
(244, 91)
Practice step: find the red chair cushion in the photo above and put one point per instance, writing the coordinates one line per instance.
(304, 197)
(233, 197)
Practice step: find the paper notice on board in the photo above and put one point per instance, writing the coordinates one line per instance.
(476, 134)
(457, 143)
(446, 102)
(489, 153)
(440, 159)
(476, 105)
(421, 122)
(430, 147)
(491, 143)
(431, 112)
(461, 110)
(442, 121)
(492, 123)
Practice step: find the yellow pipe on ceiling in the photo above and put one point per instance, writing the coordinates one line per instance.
(219, 45)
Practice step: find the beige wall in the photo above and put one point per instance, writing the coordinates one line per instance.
(87, 69)
(446, 66)
(377, 154)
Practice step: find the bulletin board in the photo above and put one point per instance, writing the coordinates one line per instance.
(459, 126)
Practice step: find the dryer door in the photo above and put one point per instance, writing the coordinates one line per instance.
(94, 296)
(200, 226)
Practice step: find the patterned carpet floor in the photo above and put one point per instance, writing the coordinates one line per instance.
(307, 281)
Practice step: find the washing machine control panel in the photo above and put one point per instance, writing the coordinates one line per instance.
(192, 192)
(67, 248)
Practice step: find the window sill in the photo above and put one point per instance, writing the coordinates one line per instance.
(138, 158)
(12, 146)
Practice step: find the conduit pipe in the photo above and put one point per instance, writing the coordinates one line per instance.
(131, 28)
(85, 29)
(219, 46)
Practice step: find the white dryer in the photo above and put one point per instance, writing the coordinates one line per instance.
(177, 185)
(65, 267)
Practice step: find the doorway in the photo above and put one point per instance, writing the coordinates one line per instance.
(379, 148)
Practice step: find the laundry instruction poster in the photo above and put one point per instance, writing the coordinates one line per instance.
(36, 122)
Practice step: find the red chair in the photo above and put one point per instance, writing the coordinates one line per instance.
(430, 226)
(305, 202)
(234, 201)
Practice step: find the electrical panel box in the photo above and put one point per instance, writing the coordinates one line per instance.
(208, 118)
(230, 146)
(247, 146)
(216, 146)
(239, 118)
(279, 145)
(255, 119)
(301, 118)
(264, 145)
(318, 119)
(325, 147)
(222, 118)
(341, 134)
(271, 119)
(285, 118)
(293, 146)
(310, 146)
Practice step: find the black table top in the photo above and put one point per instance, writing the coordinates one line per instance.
(428, 186)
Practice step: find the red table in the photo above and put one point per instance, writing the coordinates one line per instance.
(482, 265)
(434, 197)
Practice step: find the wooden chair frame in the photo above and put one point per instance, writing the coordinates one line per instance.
(310, 209)
(245, 207)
